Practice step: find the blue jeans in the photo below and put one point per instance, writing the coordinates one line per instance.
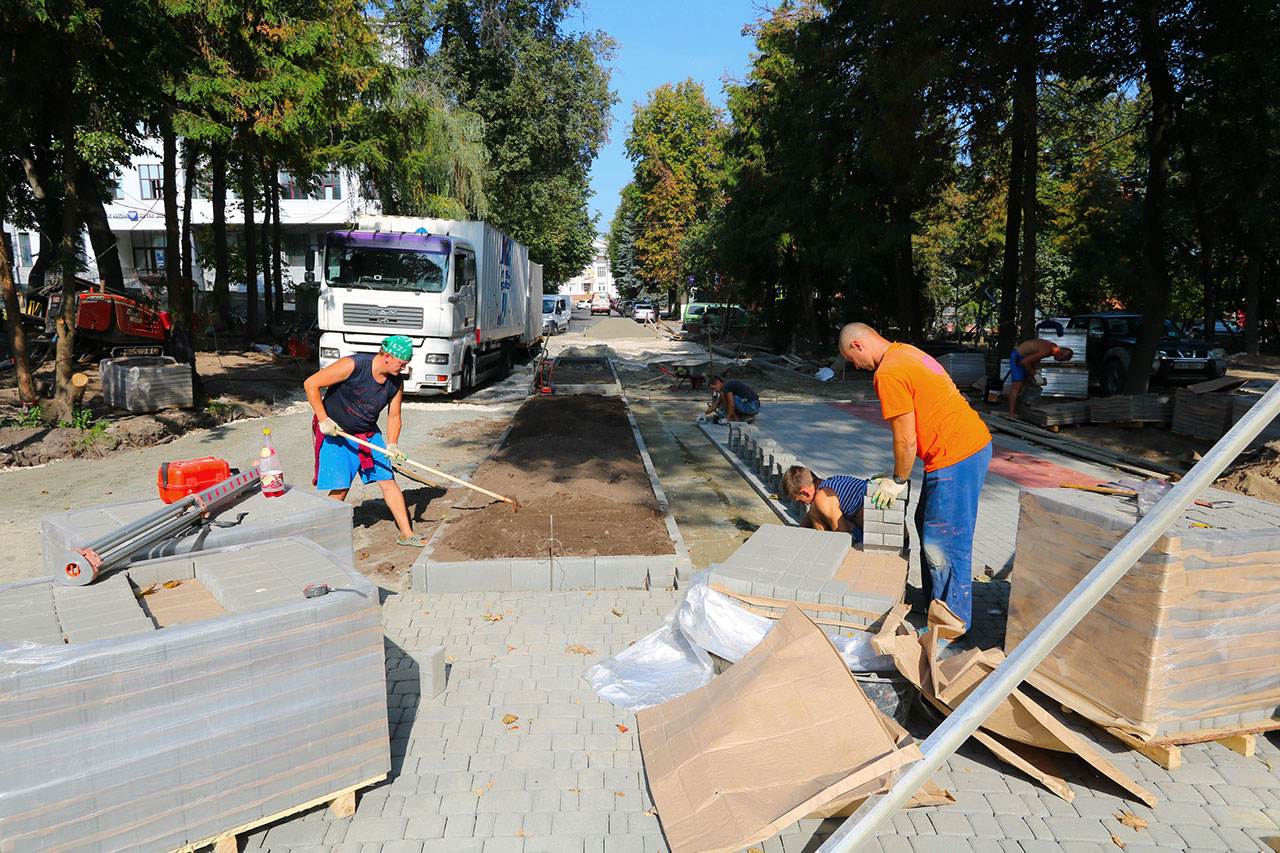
(742, 408)
(945, 516)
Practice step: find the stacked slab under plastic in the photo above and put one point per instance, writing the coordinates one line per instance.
(814, 566)
(146, 383)
(255, 519)
(187, 696)
(1187, 640)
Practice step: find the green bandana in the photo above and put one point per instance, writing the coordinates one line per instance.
(398, 346)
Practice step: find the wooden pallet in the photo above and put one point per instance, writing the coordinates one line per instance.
(1167, 751)
(342, 804)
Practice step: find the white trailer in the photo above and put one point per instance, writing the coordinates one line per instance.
(464, 293)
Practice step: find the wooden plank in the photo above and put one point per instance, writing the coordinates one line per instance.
(1221, 733)
(225, 842)
(1246, 745)
(764, 601)
(1168, 756)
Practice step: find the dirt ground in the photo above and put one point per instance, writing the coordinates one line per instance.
(238, 385)
(581, 373)
(568, 458)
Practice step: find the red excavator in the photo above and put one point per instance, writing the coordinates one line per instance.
(111, 324)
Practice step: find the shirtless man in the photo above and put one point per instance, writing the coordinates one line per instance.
(1024, 364)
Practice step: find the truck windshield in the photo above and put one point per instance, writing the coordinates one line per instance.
(378, 268)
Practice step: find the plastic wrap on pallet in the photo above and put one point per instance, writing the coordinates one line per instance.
(1186, 641)
(170, 736)
(1061, 381)
(146, 383)
(298, 512)
(964, 368)
(1125, 408)
(1208, 416)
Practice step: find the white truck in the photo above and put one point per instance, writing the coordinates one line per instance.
(466, 294)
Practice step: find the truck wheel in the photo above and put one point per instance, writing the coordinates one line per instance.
(468, 372)
(1113, 376)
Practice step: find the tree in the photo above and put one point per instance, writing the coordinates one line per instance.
(621, 243)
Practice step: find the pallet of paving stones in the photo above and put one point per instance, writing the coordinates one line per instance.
(1189, 633)
(1067, 380)
(1132, 409)
(183, 700)
(1056, 415)
(1208, 415)
(146, 383)
(964, 368)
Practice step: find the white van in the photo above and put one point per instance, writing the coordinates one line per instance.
(555, 314)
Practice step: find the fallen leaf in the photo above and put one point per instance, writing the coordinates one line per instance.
(521, 833)
(616, 612)
(171, 584)
(578, 649)
(619, 793)
(1115, 839)
(623, 728)
(508, 719)
(492, 617)
(1131, 820)
(652, 811)
(575, 790)
(483, 789)
(511, 648)
(148, 590)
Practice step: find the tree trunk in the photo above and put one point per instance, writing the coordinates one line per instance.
(65, 324)
(13, 319)
(1155, 270)
(1030, 175)
(264, 252)
(172, 230)
(106, 248)
(48, 219)
(221, 284)
(190, 161)
(1023, 92)
(1252, 281)
(276, 272)
(250, 250)
(1204, 227)
(903, 266)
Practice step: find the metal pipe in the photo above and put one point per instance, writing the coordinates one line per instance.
(107, 541)
(860, 828)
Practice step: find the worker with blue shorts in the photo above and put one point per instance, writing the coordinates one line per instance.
(1024, 365)
(356, 390)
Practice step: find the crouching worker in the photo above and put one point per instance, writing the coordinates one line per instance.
(1024, 366)
(735, 400)
(835, 503)
(357, 388)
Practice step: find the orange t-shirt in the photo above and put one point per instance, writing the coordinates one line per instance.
(948, 430)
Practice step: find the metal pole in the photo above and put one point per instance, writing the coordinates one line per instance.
(860, 828)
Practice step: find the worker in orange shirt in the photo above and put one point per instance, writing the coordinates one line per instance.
(930, 420)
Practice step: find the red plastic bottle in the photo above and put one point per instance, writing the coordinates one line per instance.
(270, 471)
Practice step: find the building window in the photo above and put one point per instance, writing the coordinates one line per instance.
(24, 250)
(151, 180)
(295, 249)
(148, 252)
(289, 188)
(329, 187)
(118, 187)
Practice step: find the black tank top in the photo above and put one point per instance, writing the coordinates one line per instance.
(355, 402)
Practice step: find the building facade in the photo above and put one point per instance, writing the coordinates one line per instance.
(597, 277)
(136, 215)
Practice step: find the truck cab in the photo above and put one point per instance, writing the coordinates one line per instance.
(460, 291)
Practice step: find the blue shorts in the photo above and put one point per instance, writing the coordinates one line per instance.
(340, 463)
(1017, 373)
(741, 407)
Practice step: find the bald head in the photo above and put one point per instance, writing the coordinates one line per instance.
(862, 346)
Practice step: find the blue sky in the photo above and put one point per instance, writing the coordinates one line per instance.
(662, 41)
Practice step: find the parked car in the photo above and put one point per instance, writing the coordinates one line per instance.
(1113, 335)
(582, 304)
(644, 311)
(555, 315)
(714, 318)
(601, 304)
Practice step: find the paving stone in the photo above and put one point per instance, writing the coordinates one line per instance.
(401, 847)
(375, 829)
(950, 823)
(1077, 829)
(1201, 837)
(453, 845)
(504, 845)
(939, 844)
(1241, 817)
(424, 827)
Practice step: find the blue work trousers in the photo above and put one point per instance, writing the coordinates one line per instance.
(945, 516)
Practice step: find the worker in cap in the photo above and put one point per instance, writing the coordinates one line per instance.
(356, 390)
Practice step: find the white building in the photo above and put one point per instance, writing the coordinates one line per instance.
(136, 214)
(596, 278)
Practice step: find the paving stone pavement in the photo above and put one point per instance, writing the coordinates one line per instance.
(566, 775)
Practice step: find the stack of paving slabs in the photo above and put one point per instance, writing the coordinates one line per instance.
(146, 383)
(964, 368)
(297, 512)
(784, 733)
(185, 698)
(1058, 414)
(1207, 410)
(1020, 732)
(819, 569)
(1187, 640)
(1132, 408)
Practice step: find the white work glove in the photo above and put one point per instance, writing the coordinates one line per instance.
(329, 426)
(396, 454)
(1041, 380)
(883, 491)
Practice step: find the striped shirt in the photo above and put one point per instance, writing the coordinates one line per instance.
(850, 490)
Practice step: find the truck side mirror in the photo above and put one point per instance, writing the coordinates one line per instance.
(309, 277)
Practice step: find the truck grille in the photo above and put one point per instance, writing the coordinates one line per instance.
(382, 317)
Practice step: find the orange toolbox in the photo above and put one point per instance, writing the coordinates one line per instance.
(176, 480)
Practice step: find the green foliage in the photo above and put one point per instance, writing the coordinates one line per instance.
(31, 418)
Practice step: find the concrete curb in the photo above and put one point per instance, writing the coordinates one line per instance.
(783, 510)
